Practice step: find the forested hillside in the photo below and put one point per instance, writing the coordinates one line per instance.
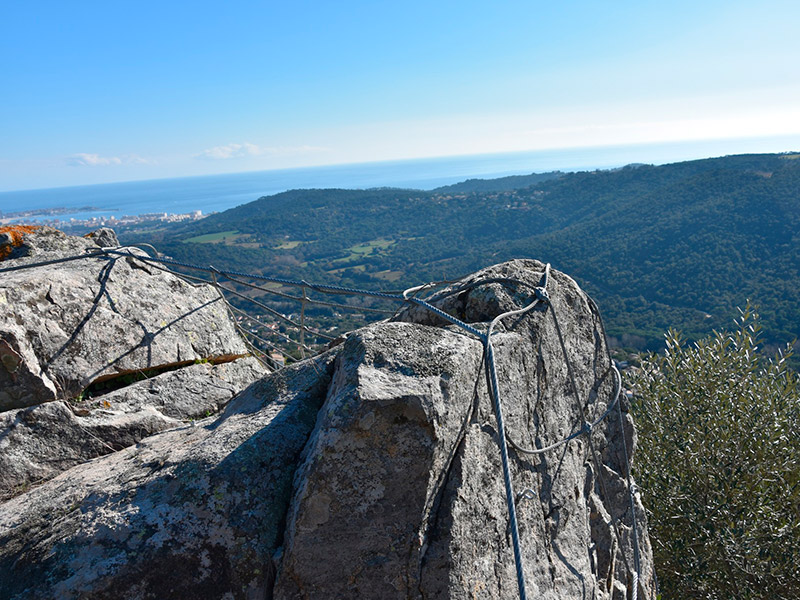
(679, 245)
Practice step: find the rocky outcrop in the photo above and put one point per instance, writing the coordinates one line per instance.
(65, 326)
(103, 237)
(195, 512)
(371, 471)
(39, 442)
(400, 493)
(76, 337)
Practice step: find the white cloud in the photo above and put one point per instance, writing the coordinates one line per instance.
(135, 159)
(83, 159)
(246, 149)
(231, 151)
(92, 160)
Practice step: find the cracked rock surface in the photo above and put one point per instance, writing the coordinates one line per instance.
(39, 442)
(400, 493)
(193, 512)
(371, 471)
(66, 325)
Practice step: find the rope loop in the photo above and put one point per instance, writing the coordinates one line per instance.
(526, 494)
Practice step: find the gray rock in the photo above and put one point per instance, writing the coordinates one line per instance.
(39, 442)
(194, 512)
(396, 411)
(33, 244)
(401, 494)
(67, 325)
(192, 392)
(104, 237)
(374, 474)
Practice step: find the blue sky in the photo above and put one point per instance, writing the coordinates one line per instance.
(113, 91)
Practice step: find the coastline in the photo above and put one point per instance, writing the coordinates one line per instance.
(216, 193)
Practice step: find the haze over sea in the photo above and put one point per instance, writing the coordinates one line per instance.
(215, 193)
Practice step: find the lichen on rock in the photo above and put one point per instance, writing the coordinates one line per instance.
(12, 237)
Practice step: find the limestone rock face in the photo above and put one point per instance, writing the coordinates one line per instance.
(371, 471)
(67, 325)
(39, 442)
(401, 494)
(193, 512)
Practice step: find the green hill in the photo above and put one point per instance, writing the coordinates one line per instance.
(678, 245)
(500, 184)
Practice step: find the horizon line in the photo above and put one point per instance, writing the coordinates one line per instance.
(543, 151)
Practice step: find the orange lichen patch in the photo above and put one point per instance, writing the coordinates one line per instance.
(16, 232)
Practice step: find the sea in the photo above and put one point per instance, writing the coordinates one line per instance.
(215, 193)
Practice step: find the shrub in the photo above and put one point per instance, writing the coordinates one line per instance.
(718, 463)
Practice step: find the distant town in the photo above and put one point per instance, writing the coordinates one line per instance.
(35, 217)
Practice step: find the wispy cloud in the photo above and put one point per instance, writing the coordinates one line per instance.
(246, 149)
(231, 151)
(92, 160)
(135, 159)
(83, 159)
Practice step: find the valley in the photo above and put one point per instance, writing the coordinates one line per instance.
(674, 246)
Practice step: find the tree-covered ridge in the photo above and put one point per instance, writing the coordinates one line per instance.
(500, 184)
(678, 245)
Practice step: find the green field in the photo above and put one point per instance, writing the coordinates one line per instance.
(388, 275)
(355, 268)
(289, 245)
(360, 251)
(368, 247)
(211, 238)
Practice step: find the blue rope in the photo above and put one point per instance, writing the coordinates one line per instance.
(494, 391)
(585, 429)
(437, 311)
(512, 509)
(501, 431)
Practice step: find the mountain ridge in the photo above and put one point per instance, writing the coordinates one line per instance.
(674, 245)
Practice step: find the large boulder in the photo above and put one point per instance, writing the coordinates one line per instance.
(372, 471)
(68, 325)
(400, 494)
(194, 512)
(77, 337)
(39, 442)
